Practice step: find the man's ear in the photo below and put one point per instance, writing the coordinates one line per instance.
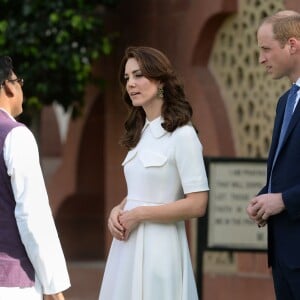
(294, 45)
(8, 90)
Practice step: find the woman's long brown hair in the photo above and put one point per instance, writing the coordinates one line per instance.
(176, 110)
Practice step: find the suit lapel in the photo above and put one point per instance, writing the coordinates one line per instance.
(278, 123)
(277, 128)
(294, 120)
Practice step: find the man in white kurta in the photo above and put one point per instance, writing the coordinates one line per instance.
(32, 211)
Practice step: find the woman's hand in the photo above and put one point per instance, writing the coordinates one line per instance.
(114, 225)
(130, 219)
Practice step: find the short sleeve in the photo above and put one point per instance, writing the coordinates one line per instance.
(189, 160)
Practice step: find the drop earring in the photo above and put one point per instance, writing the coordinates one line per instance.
(160, 92)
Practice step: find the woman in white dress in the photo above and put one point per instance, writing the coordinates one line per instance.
(166, 181)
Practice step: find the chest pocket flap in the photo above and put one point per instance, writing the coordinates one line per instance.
(130, 155)
(152, 159)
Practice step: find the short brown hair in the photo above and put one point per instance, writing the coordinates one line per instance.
(286, 24)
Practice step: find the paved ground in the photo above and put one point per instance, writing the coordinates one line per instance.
(85, 279)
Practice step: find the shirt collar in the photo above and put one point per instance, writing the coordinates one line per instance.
(155, 127)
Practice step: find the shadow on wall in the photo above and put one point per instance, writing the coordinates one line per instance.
(81, 217)
(80, 225)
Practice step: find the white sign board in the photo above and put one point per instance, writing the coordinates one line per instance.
(232, 184)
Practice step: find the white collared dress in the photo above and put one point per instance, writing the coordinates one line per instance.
(154, 263)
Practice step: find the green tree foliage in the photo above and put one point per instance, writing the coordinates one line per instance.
(53, 44)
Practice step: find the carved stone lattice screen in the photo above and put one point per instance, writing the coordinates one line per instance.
(249, 93)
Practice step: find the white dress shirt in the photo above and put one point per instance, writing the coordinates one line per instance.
(33, 213)
(298, 94)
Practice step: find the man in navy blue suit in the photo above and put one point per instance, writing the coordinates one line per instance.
(278, 203)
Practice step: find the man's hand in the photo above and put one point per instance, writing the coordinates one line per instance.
(58, 296)
(260, 208)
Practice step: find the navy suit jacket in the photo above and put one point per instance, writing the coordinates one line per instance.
(284, 228)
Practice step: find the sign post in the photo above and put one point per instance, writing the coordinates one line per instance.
(226, 226)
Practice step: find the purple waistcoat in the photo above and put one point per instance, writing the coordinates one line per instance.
(16, 269)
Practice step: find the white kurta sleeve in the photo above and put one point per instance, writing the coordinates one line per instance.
(189, 160)
(33, 213)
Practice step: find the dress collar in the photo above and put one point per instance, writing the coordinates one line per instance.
(155, 127)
